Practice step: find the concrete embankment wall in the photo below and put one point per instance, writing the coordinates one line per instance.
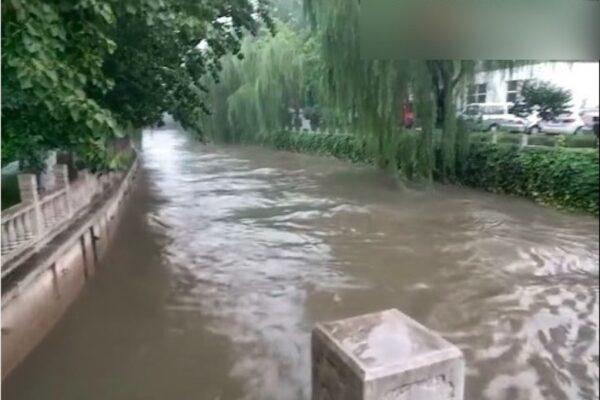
(45, 285)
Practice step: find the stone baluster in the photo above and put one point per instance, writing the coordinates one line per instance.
(45, 215)
(20, 228)
(86, 194)
(28, 223)
(384, 355)
(11, 233)
(29, 194)
(81, 189)
(58, 209)
(61, 176)
(5, 241)
(524, 140)
(49, 215)
(91, 184)
(47, 177)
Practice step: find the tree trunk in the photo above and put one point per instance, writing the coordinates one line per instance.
(462, 147)
(426, 113)
(448, 167)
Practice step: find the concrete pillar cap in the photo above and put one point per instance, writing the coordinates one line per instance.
(385, 343)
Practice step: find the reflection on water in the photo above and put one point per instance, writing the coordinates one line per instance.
(255, 246)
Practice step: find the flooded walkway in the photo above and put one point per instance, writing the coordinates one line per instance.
(227, 256)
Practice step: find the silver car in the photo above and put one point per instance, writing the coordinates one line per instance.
(487, 116)
(566, 124)
(514, 123)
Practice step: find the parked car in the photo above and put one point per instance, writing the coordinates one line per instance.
(487, 116)
(565, 124)
(514, 123)
(589, 116)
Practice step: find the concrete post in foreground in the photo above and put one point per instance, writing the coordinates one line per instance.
(47, 177)
(61, 177)
(384, 356)
(28, 191)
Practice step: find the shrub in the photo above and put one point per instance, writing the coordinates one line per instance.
(342, 146)
(509, 138)
(476, 137)
(557, 176)
(580, 141)
(539, 140)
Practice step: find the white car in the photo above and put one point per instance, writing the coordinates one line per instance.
(514, 123)
(487, 116)
(589, 117)
(566, 124)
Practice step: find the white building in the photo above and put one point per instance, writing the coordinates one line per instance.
(501, 86)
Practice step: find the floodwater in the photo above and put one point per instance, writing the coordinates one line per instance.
(227, 256)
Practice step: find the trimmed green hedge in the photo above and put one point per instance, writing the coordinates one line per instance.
(509, 138)
(542, 140)
(581, 140)
(561, 177)
(342, 146)
(576, 141)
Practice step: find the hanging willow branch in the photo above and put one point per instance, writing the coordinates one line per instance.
(365, 97)
(256, 92)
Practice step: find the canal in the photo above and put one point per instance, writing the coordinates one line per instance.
(227, 256)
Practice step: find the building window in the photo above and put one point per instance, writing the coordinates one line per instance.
(477, 93)
(513, 90)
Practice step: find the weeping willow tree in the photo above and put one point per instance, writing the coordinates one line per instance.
(254, 93)
(287, 71)
(372, 93)
(448, 77)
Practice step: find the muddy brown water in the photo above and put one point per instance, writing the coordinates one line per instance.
(227, 256)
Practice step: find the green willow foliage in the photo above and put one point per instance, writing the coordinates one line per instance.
(254, 94)
(77, 73)
(372, 92)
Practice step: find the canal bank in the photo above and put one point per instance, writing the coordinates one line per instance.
(226, 257)
(561, 177)
(38, 288)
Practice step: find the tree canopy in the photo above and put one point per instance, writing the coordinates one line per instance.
(257, 95)
(323, 67)
(80, 72)
(549, 100)
(76, 73)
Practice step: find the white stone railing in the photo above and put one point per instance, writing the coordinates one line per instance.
(18, 228)
(55, 208)
(83, 189)
(37, 219)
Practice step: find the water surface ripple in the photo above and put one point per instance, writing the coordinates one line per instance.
(258, 245)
